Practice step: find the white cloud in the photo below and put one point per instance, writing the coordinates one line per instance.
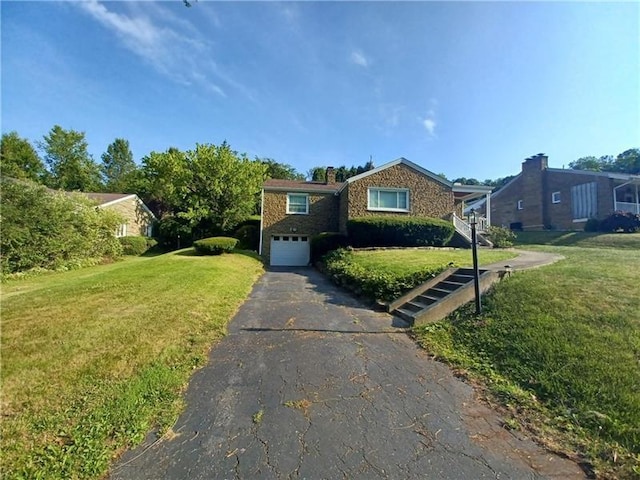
(358, 58)
(169, 44)
(429, 121)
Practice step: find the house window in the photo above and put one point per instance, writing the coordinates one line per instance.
(555, 197)
(389, 199)
(584, 201)
(520, 205)
(122, 230)
(298, 203)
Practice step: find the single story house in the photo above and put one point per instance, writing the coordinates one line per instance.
(138, 219)
(540, 197)
(294, 211)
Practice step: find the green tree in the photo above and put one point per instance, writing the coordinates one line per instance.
(19, 159)
(281, 171)
(118, 168)
(317, 174)
(70, 165)
(591, 163)
(628, 162)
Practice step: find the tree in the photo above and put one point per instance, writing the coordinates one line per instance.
(18, 158)
(588, 163)
(69, 162)
(281, 171)
(205, 191)
(628, 162)
(118, 168)
(317, 174)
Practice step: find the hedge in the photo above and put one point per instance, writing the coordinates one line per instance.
(215, 245)
(136, 245)
(248, 237)
(399, 231)
(373, 284)
(325, 242)
(621, 221)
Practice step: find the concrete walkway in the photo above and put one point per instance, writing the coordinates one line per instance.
(525, 260)
(310, 383)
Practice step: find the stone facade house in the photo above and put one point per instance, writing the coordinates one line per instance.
(295, 211)
(138, 219)
(540, 197)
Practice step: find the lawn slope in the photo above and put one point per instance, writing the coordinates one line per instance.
(94, 358)
(560, 346)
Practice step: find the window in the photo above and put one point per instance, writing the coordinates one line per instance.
(390, 199)
(584, 201)
(298, 203)
(555, 197)
(122, 230)
(520, 205)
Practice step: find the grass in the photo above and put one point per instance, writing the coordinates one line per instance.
(580, 239)
(93, 359)
(405, 261)
(560, 348)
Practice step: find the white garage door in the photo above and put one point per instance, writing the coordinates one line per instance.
(290, 250)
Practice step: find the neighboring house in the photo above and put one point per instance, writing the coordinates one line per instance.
(540, 197)
(295, 211)
(138, 219)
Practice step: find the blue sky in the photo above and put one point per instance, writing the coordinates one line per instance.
(465, 89)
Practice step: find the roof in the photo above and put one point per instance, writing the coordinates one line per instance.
(103, 198)
(301, 186)
(399, 161)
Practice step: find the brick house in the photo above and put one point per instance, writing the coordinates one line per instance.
(540, 197)
(138, 219)
(295, 211)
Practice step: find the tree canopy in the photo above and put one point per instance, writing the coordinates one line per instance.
(626, 162)
(70, 165)
(19, 159)
(118, 168)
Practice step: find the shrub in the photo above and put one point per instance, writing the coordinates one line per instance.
(621, 222)
(215, 245)
(399, 231)
(325, 242)
(592, 225)
(134, 245)
(49, 230)
(501, 237)
(374, 284)
(174, 232)
(248, 237)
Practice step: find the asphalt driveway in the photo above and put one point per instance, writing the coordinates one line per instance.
(311, 384)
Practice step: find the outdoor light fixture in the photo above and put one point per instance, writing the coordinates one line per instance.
(473, 221)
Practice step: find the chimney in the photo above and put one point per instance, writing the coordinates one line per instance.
(538, 163)
(330, 176)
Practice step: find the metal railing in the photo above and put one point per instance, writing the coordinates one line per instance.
(465, 229)
(627, 207)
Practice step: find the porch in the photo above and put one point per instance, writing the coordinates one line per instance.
(477, 198)
(626, 197)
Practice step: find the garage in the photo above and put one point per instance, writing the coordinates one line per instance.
(290, 250)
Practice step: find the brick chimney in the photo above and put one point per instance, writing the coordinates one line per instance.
(537, 163)
(330, 176)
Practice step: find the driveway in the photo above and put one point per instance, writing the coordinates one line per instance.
(310, 383)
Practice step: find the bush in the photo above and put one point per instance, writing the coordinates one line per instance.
(133, 245)
(49, 230)
(501, 237)
(174, 232)
(374, 284)
(215, 245)
(621, 222)
(390, 231)
(592, 225)
(325, 242)
(248, 237)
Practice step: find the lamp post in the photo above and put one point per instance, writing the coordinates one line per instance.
(473, 221)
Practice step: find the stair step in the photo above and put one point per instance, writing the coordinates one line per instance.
(405, 315)
(426, 299)
(415, 304)
(463, 279)
(438, 292)
(449, 285)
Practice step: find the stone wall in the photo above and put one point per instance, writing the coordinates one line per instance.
(134, 215)
(427, 197)
(322, 217)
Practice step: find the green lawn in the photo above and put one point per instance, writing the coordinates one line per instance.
(94, 358)
(579, 239)
(404, 261)
(560, 347)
